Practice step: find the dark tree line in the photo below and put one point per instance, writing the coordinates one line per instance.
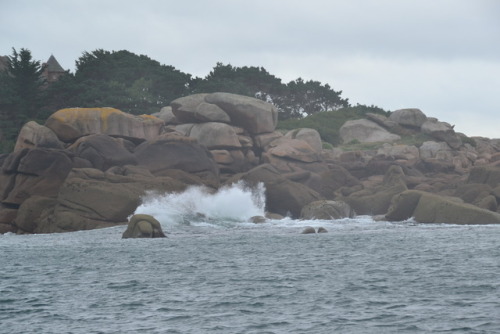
(22, 94)
(140, 85)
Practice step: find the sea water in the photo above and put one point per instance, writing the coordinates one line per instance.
(218, 273)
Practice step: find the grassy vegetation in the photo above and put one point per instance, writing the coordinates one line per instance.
(329, 123)
(415, 140)
(412, 140)
(468, 140)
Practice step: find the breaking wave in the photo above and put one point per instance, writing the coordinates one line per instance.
(198, 205)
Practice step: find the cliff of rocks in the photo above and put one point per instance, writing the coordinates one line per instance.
(88, 168)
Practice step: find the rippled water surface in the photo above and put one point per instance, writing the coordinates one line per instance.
(360, 277)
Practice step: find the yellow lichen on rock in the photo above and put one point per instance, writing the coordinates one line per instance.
(72, 114)
(105, 114)
(149, 117)
(72, 123)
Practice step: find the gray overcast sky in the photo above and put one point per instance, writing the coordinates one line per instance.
(442, 56)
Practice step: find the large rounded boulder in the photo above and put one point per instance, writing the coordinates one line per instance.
(194, 109)
(254, 115)
(143, 226)
(29, 172)
(211, 134)
(310, 136)
(90, 198)
(430, 208)
(365, 131)
(34, 135)
(73, 123)
(412, 117)
(177, 152)
(103, 151)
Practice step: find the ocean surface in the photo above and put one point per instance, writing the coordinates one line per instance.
(217, 273)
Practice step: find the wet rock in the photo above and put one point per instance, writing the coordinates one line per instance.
(322, 230)
(33, 211)
(143, 226)
(275, 216)
(258, 219)
(283, 196)
(435, 209)
(308, 230)
(90, 198)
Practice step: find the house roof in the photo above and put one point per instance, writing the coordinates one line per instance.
(53, 65)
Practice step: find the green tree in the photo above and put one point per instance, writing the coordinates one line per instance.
(124, 80)
(296, 99)
(249, 81)
(21, 92)
(24, 80)
(309, 97)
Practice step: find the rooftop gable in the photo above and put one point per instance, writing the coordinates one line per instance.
(53, 65)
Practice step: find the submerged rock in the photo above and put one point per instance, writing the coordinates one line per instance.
(322, 230)
(308, 230)
(274, 216)
(143, 226)
(258, 219)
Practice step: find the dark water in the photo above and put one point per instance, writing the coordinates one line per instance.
(361, 277)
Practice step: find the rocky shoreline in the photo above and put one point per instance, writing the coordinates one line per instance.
(88, 168)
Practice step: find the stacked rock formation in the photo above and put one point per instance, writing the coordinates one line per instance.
(89, 167)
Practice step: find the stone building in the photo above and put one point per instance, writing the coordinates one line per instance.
(53, 70)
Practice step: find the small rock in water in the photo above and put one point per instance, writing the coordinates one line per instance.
(322, 230)
(275, 216)
(143, 226)
(258, 219)
(308, 230)
(379, 218)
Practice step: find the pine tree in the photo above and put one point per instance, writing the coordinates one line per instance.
(21, 93)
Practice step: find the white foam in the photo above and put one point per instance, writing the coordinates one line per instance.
(236, 203)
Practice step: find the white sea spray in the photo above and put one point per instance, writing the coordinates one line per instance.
(236, 203)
